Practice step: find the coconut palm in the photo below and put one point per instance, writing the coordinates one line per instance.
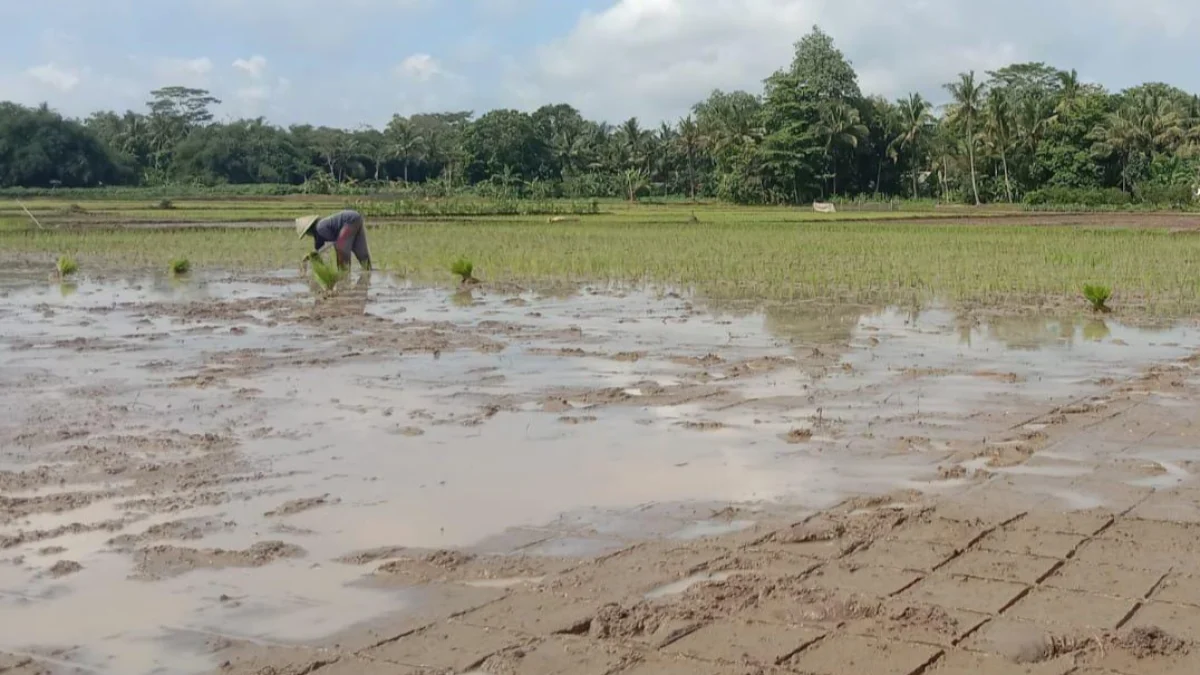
(998, 131)
(689, 142)
(964, 111)
(633, 140)
(916, 120)
(1033, 115)
(404, 141)
(1159, 123)
(1070, 89)
(840, 125)
(1117, 136)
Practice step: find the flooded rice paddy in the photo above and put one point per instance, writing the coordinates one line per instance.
(225, 458)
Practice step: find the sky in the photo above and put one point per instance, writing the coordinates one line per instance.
(357, 62)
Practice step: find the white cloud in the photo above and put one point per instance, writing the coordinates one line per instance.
(421, 67)
(255, 66)
(655, 58)
(50, 74)
(649, 58)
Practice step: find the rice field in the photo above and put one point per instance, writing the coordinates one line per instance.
(720, 250)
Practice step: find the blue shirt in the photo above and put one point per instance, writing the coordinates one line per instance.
(327, 229)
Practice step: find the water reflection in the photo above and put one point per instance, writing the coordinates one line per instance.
(1096, 330)
(463, 297)
(808, 323)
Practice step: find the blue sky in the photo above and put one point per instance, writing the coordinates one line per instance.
(352, 62)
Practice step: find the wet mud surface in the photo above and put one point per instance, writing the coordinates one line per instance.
(226, 475)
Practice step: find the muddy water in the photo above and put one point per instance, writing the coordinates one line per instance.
(212, 412)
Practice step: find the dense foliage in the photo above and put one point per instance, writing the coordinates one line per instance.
(1027, 132)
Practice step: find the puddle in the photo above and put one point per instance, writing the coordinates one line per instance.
(711, 529)
(386, 444)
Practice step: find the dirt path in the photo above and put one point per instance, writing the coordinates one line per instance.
(593, 483)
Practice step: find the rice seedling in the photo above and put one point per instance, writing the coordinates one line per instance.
(326, 275)
(165, 205)
(1097, 295)
(464, 269)
(66, 266)
(179, 266)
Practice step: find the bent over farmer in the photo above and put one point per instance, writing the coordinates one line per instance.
(344, 230)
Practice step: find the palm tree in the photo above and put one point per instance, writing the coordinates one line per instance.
(727, 124)
(916, 119)
(942, 148)
(884, 130)
(689, 141)
(634, 181)
(1159, 123)
(567, 145)
(404, 141)
(1069, 92)
(998, 131)
(1117, 135)
(633, 141)
(1033, 116)
(841, 125)
(968, 99)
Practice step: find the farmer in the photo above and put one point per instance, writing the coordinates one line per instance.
(344, 230)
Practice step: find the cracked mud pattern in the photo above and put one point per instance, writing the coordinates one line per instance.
(595, 483)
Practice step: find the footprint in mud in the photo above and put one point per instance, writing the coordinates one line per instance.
(63, 568)
(797, 436)
(556, 405)
(407, 431)
(701, 425)
(299, 505)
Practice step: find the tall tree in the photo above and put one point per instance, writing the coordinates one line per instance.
(404, 141)
(967, 95)
(689, 141)
(820, 68)
(1117, 136)
(841, 126)
(916, 120)
(39, 147)
(998, 131)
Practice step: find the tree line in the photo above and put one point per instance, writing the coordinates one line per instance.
(1026, 132)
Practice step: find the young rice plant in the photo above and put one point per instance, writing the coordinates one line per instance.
(66, 266)
(1098, 295)
(327, 275)
(464, 269)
